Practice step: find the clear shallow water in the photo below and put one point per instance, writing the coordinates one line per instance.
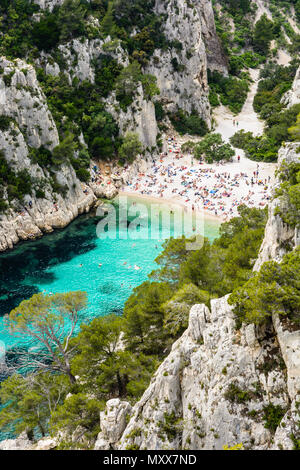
(52, 264)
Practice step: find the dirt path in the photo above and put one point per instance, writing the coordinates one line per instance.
(261, 10)
(247, 119)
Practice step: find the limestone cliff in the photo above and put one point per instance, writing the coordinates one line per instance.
(190, 30)
(279, 235)
(293, 96)
(79, 57)
(191, 25)
(32, 125)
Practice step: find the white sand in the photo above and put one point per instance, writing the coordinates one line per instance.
(182, 178)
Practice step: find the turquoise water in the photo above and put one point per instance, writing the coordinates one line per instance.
(69, 259)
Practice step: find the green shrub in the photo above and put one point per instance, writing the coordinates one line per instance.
(236, 395)
(231, 90)
(289, 193)
(17, 183)
(272, 417)
(5, 123)
(212, 148)
(185, 123)
(273, 290)
(263, 34)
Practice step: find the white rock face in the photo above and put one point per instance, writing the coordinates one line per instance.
(47, 443)
(48, 4)
(139, 118)
(293, 96)
(80, 54)
(277, 233)
(21, 443)
(22, 99)
(216, 58)
(290, 347)
(186, 23)
(289, 426)
(187, 404)
(113, 423)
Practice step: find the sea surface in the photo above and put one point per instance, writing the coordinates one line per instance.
(75, 258)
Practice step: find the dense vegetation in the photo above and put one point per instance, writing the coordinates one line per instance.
(23, 37)
(275, 289)
(211, 148)
(275, 81)
(247, 44)
(230, 91)
(15, 183)
(289, 194)
(185, 123)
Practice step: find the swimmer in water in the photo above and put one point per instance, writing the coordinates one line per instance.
(80, 265)
(100, 264)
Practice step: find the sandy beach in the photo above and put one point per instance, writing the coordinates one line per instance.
(219, 188)
(171, 204)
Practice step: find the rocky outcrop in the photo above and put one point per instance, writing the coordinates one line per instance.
(80, 57)
(21, 443)
(216, 57)
(182, 72)
(22, 99)
(278, 235)
(213, 388)
(32, 125)
(113, 423)
(48, 4)
(139, 118)
(293, 96)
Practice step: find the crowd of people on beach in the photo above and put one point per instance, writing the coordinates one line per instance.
(217, 188)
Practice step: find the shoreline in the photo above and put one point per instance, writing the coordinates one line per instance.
(172, 202)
